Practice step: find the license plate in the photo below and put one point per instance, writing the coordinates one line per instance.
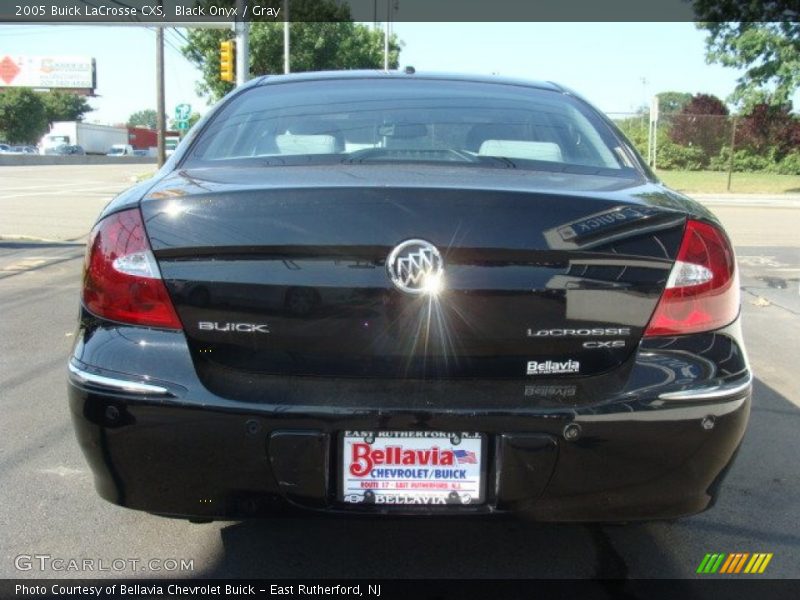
(412, 467)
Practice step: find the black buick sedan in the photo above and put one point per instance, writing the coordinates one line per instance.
(361, 292)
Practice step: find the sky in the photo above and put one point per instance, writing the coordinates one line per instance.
(616, 66)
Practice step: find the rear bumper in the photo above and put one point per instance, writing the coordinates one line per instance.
(646, 447)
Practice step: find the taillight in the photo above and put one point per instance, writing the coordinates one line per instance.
(121, 280)
(702, 292)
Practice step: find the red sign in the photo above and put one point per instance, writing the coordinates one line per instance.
(8, 70)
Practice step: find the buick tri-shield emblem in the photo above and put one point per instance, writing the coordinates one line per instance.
(416, 267)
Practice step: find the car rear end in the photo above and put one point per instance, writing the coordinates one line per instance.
(442, 316)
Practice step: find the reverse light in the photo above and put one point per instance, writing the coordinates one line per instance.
(122, 281)
(702, 291)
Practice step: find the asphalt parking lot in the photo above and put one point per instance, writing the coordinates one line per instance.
(57, 202)
(48, 505)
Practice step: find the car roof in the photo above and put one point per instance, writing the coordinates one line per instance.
(405, 75)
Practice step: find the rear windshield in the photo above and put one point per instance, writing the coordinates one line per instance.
(374, 120)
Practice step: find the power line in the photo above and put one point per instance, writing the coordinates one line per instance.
(171, 45)
(178, 40)
(181, 34)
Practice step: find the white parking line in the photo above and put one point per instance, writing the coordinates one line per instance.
(96, 191)
(16, 188)
(23, 265)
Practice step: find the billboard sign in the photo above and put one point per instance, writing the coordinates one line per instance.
(62, 72)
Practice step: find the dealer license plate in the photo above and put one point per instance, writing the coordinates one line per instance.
(412, 467)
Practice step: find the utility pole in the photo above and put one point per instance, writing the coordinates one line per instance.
(386, 34)
(242, 29)
(160, 110)
(652, 133)
(286, 36)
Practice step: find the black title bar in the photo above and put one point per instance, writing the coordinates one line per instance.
(187, 12)
(419, 589)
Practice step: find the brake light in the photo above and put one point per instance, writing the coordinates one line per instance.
(702, 292)
(121, 280)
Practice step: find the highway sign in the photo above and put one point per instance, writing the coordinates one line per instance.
(183, 112)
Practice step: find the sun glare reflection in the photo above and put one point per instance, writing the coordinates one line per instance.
(433, 338)
(433, 284)
(174, 209)
(425, 330)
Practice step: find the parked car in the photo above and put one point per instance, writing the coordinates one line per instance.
(23, 150)
(120, 150)
(65, 150)
(60, 149)
(372, 293)
(5, 149)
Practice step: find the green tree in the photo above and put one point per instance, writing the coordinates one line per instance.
(23, 116)
(143, 118)
(769, 130)
(672, 102)
(635, 129)
(322, 38)
(758, 38)
(63, 106)
(702, 124)
(193, 118)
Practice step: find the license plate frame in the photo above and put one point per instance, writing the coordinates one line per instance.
(452, 473)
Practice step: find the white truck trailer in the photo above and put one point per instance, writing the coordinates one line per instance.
(94, 139)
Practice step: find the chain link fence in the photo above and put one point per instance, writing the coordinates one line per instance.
(767, 140)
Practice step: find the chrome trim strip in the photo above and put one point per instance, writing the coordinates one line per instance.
(708, 393)
(670, 412)
(121, 385)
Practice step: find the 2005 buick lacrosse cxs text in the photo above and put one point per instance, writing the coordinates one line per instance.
(339, 291)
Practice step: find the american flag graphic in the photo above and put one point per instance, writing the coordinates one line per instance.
(465, 457)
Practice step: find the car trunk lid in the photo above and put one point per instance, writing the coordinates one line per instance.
(291, 277)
